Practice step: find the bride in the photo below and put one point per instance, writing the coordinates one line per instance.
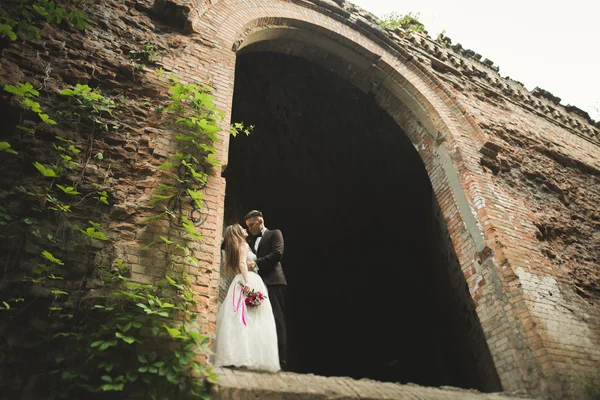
(245, 337)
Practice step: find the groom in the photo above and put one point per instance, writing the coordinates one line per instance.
(268, 247)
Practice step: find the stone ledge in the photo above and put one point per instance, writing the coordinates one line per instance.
(234, 384)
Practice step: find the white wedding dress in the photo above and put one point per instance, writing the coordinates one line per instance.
(246, 337)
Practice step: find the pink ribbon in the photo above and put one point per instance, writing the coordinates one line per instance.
(240, 302)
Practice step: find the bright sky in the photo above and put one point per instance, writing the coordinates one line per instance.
(549, 44)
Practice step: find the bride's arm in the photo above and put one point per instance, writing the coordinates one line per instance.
(243, 266)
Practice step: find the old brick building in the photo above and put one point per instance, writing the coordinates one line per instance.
(415, 186)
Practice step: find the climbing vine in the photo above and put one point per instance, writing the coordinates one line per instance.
(70, 291)
(106, 334)
(197, 120)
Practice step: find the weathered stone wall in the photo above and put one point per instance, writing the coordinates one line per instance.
(515, 173)
(430, 72)
(548, 185)
(132, 148)
(458, 315)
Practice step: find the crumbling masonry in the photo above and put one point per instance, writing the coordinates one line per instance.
(514, 175)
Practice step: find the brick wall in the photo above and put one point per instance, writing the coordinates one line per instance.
(541, 328)
(491, 231)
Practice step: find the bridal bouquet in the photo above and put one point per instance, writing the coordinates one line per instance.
(253, 298)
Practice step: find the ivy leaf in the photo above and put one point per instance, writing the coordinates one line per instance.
(68, 92)
(95, 224)
(158, 197)
(174, 283)
(34, 280)
(172, 377)
(103, 198)
(46, 119)
(74, 149)
(78, 19)
(5, 146)
(57, 292)
(24, 90)
(166, 165)
(107, 366)
(190, 228)
(208, 127)
(194, 260)
(198, 176)
(167, 241)
(212, 160)
(68, 190)
(46, 254)
(126, 339)
(33, 105)
(106, 345)
(152, 356)
(25, 129)
(147, 246)
(7, 31)
(40, 10)
(94, 234)
(197, 196)
(112, 387)
(47, 172)
(174, 332)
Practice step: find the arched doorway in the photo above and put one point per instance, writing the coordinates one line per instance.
(401, 75)
(375, 288)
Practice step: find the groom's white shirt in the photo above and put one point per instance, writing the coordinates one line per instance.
(258, 240)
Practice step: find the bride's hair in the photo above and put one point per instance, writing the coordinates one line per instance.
(234, 238)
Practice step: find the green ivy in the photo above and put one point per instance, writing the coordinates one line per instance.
(443, 40)
(147, 53)
(26, 15)
(197, 120)
(25, 92)
(127, 340)
(88, 105)
(5, 147)
(408, 22)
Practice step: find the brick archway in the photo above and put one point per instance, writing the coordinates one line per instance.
(447, 141)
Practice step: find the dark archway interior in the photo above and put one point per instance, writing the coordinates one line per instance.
(374, 286)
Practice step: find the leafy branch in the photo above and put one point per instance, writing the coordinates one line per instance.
(408, 22)
(26, 16)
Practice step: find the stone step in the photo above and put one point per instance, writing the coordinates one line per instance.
(239, 384)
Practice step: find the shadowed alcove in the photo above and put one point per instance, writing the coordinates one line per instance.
(375, 289)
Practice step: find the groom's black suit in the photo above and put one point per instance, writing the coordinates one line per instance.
(269, 255)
